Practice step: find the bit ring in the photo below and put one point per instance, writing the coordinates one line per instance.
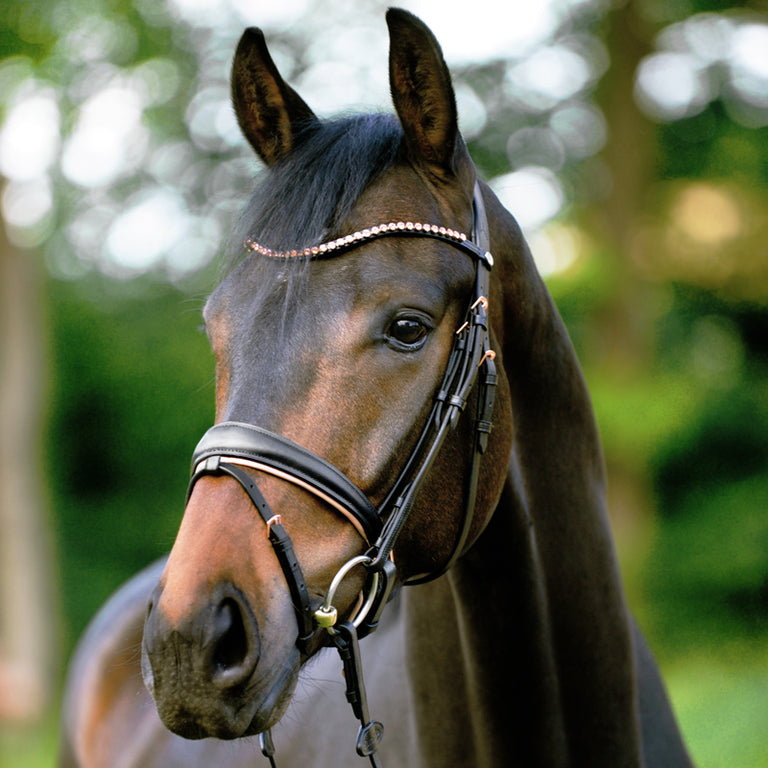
(327, 614)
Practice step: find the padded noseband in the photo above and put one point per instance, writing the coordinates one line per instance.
(275, 454)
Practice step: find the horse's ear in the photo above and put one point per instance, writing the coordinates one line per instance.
(422, 93)
(270, 113)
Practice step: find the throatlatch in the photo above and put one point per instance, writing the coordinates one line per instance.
(229, 447)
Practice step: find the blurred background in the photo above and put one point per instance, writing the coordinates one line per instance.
(630, 139)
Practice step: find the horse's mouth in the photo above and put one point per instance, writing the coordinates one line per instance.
(192, 712)
(194, 704)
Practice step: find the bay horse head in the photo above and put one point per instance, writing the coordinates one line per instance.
(355, 380)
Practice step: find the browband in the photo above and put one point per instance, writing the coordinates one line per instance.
(401, 228)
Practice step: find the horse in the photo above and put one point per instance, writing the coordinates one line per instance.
(401, 504)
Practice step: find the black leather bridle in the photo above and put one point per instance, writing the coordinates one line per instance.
(230, 447)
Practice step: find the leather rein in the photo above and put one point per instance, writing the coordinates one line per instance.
(229, 448)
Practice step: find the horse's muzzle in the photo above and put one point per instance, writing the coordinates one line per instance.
(199, 669)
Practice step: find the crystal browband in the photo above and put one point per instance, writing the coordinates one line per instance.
(333, 247)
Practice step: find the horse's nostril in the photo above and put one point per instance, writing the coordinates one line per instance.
(235, 649)
(231, 643)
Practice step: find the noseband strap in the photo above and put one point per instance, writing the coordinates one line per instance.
(278, 537)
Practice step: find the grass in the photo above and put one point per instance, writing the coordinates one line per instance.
(33, 746)
(721, 705)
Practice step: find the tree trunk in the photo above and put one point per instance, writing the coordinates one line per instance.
(621, 340)
(27, 620)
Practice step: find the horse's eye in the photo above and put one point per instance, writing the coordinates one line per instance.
(407, 332)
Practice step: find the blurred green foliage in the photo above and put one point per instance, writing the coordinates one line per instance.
(131, 393)
(697, 430)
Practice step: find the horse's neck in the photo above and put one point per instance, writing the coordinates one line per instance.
(485, 686)
(527, 638)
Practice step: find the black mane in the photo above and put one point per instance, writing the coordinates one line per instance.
(303, 199)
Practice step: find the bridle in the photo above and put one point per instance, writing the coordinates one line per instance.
(230, 447)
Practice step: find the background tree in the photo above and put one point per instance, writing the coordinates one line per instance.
(29, 621)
